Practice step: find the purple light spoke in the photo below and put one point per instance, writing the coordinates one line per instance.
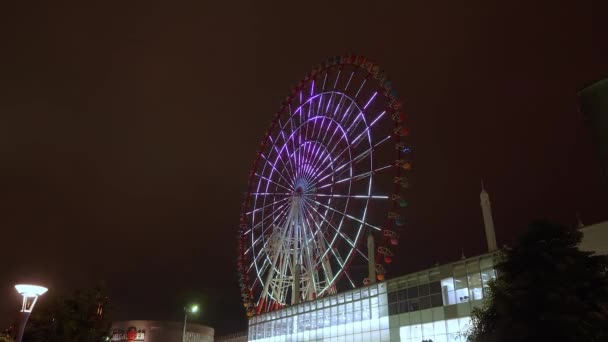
(353, 124)
(339, 105)
(282, 129)
(337, 78)
(344, 136)
(353, 143)
(296, 156)
(370, 100)
(313, 158)
(278, 152)
(320, 103)
(352, 73)
(332, 95)
(352, 107)
(324, 81)
(366, 130)
(361, 87)
(293, 131)
(320, 152)
(319, 163)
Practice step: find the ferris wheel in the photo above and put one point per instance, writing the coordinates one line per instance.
(330, 171)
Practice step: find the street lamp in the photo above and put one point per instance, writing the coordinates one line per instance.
(30, 294)
(193, 309)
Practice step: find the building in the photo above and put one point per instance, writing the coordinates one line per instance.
(595, 238)
(593, 102)
(430, 305)
(434, 304)
(235, 337)
(155, 331)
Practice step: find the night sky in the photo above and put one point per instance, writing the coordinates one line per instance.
(127, 131)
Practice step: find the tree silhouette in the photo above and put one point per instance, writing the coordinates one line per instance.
(547, 290)
(80, 317)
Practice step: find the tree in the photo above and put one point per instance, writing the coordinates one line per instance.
(80, 317)
(6, 338)
(547, 290)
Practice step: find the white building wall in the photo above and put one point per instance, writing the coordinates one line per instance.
(595, 238)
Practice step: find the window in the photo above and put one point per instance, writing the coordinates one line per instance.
(447, 290)
(424, 290)
(425, 303)
(393, 309)
(435, 287)
(393, 297)
(403, 307)
(461, 289)
(475, 292)
(412, 292)
(436, 300)
(486, 276)
(414, 304)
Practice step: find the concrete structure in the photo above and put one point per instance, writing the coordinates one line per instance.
(155, 331)
(488, 221)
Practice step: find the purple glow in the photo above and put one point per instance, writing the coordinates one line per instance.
(337, 78)
(370, 100)
(349, 79)
(361, 87)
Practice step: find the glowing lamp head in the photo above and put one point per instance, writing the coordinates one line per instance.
(194, 308)
(30, 290)
(30, 295)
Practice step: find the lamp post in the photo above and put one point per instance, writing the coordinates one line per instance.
(30, 294)
(193, 309)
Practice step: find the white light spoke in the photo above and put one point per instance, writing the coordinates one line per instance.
(347, 215)
(348, 240)
(352, 196)
(275, 148)
(273, 182)
(266, 206)
(272, 165)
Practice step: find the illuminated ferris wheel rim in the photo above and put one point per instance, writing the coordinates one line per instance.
(298, 204)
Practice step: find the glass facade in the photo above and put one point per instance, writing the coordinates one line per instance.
(430, 305)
